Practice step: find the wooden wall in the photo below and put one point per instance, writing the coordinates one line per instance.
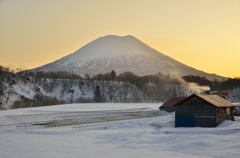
(220, 115)
(205, 114)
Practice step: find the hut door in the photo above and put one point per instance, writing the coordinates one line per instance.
(185, 121)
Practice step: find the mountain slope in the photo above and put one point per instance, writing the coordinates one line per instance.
(121, 54)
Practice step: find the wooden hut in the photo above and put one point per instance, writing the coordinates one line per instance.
(202, 111)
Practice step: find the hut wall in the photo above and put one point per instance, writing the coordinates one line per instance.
(195, 107)
(220, 115)
(204, 114)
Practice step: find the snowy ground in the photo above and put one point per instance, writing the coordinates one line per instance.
(139, 138)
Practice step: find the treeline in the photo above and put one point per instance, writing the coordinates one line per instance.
(230, 83)
(6, 74)
(135, 79)
(72, 88)
(54, 75)
(66, 87)
(139, 81)
(156, 87)
(42, 89)
(111, 76)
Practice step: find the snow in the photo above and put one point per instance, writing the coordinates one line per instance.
(121, 54)
(70, 91)
(78, 107)
(152, 137)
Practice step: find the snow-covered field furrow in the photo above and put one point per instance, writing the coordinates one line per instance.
(75, 118)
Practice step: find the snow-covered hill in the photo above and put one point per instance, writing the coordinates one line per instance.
(52, 91)
(121, 54)
(26, 90)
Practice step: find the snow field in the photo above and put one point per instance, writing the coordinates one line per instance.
(152, 137)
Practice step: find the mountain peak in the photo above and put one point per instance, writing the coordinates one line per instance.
(117, 36)
(130, 36)
(112, 37)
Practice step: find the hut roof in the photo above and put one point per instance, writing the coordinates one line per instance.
(172, 102)
(214, 100)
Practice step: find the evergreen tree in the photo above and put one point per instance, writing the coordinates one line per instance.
(112, 75)
(97, 95)
(1, 88)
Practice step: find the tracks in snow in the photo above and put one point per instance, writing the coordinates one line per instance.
(80, 119)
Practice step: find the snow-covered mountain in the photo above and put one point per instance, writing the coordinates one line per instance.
(121, 54)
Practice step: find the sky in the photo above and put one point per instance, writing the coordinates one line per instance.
(204, 34)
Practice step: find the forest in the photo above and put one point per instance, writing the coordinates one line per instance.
(20, 88)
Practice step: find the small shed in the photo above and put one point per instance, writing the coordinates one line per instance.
(170, 104)
(202, 111)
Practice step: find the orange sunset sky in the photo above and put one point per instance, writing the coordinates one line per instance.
(204, 34)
